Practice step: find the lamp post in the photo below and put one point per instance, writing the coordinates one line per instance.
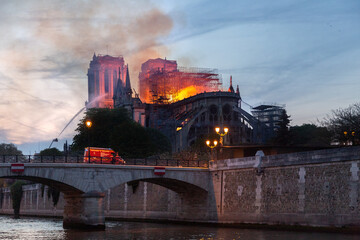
(222, 134)
(211, 146)
(345, 135)
(88, 124)
(349, 137)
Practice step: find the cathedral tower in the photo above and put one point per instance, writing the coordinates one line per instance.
(103, 74)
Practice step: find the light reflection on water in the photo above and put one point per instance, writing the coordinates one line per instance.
(30, 228)
(38, 228)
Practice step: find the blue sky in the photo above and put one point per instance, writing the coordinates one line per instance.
(305, 54)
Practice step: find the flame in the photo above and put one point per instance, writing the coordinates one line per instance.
(174, 96)
(185, 93)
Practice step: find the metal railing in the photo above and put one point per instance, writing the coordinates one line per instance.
(101, 160)
(40, 159)
(168, 162)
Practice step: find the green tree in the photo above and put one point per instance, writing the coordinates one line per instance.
(9, 149)
(310, 135)
(51, 192)
(344, 124)
(199, 150)
(103, 121)
(16, 196)
(51, 152)
(130, 139)
(113, 128)
(283, 134)
(161, 142)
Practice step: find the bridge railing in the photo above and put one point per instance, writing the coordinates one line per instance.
(168, 162)
(40, 159)
(101, 160)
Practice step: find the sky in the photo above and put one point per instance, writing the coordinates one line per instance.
(301, 53)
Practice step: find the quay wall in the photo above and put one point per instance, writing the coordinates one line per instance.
(318, 188)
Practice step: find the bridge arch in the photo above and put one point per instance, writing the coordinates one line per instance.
(180, 187)
(179, 180)
(84, 186)
(60, 186)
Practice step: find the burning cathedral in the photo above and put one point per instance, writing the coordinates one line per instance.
(183, 103)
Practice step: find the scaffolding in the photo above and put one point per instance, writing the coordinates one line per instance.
(164, 87)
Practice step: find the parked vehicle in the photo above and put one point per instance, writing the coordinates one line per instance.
(102, 155)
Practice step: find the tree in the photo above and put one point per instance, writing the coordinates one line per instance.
(9, 149)
(344, 124)
(283, 134)
(130, 139)
(161, 142)
(310, 135)
(113, 128)
(50, 152)
(103, 121)
(198, 149)
(16, 196)
(51, 192)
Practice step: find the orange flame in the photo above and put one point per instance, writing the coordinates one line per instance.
(185, 93)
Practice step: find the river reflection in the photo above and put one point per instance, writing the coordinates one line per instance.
(38, 228)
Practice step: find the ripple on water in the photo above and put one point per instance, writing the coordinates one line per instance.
(45, 228)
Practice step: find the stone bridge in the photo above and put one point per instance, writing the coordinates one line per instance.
(84, 185)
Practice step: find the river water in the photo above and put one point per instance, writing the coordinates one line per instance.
(45, 228)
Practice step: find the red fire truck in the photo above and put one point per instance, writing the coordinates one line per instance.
(102, 155)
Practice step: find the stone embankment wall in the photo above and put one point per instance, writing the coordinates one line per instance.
(319, 188)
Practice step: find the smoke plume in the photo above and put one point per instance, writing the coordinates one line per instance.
(46, 51)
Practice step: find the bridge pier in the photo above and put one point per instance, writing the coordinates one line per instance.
(84, 211)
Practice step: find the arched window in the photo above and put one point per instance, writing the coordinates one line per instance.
(202, 117)
(213, 113)
(227, 112)
(114, 81)
(236, 116)
(107, 81)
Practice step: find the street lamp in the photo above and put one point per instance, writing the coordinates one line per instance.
(88, 124)
(349, 137)
(211, 145)
(345, 135)
(222, 134)
(208, 142)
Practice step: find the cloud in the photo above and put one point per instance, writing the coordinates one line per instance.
(46, 51)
